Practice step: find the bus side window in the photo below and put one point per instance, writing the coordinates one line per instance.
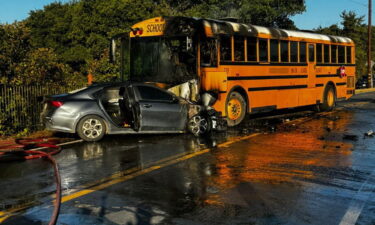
(208, 52)
(341, 53)
(294, 51)
(251, 49)
(333, 53)
(326, 54)
(226, 48)
(274, 50)
(263, 50)
(302, 52)
(239, 48)
(319, 53)
(311, 53)
(348, 54)
(284, 51)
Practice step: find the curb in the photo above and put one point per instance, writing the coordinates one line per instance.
(359, 91)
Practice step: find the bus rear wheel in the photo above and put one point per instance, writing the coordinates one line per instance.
(235, 109)
(329, 99)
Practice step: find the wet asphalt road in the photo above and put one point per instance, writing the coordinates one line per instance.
(315, 169)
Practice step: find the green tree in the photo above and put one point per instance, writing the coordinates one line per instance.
(40, 66)
(79, 31)
(14, 46)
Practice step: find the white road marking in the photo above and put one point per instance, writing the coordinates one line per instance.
(359, 201)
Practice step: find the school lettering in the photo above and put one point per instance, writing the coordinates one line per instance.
(155, 28)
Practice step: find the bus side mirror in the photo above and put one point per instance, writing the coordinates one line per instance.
(112, 51)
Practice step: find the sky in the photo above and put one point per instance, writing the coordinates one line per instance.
(318, 12)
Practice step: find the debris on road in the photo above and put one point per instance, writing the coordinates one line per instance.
(369, 133)
(350, 137)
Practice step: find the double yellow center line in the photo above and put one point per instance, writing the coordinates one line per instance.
(123, 176)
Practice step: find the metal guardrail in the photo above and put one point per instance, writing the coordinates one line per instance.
(20, 105)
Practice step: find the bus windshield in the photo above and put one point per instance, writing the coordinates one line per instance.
(161, 59)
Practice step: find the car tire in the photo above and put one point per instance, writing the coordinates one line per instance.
(329, 99)
(91, 128)
(199, 125)
(235, 109)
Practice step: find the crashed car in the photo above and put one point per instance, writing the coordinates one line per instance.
(125, 108)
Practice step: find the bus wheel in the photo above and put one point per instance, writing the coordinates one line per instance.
(329, 99)
(235, 109)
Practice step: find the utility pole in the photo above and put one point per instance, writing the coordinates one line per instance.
(369, 66)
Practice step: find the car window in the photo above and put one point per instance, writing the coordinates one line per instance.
(153, 94)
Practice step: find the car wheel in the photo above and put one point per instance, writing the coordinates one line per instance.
(199, 125)
(329, 99)
(91, 128)
(235, 109)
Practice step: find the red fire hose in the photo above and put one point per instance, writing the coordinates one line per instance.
(21, 150)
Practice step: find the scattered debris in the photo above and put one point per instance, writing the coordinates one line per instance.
(212, 190)
(369, 133)
(351, 137)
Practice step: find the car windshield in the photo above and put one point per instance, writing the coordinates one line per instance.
(164, 60)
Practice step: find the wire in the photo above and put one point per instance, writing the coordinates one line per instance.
(359, 3)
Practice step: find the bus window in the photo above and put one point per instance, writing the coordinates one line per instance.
(263, 50)
(226, 48)
(302, 52)
(294, 51)
(348, 54)
(251, 49)
(311, 53)
(333, 53)
(319, 53)
(284, 51)
(274, 50)
(239, 48)
(341, 54)
(208, 52)
(326, 54)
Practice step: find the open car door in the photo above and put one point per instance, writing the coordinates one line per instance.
(158, 110)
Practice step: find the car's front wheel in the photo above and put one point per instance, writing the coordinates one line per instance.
(91, 128)
(199, 125)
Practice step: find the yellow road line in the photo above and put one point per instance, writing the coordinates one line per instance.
(121, 177)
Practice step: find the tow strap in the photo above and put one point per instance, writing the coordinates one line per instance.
(22, 149)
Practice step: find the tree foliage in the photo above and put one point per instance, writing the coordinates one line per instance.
(68, 39)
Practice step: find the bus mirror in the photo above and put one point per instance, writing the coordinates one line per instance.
(112, 51)
(189, 43)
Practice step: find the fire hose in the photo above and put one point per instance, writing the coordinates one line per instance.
(46, 148)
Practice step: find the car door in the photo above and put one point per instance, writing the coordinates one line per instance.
(159, 110)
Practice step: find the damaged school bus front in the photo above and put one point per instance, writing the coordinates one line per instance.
(161, 52)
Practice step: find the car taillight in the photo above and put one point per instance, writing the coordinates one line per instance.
(56, 103)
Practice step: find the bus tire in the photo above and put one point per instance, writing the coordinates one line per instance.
(329, 99)
(235, 109)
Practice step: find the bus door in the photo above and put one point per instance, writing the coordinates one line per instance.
(307, 96)
(311, 70)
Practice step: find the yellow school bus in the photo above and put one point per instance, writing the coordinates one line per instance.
(244, 68)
